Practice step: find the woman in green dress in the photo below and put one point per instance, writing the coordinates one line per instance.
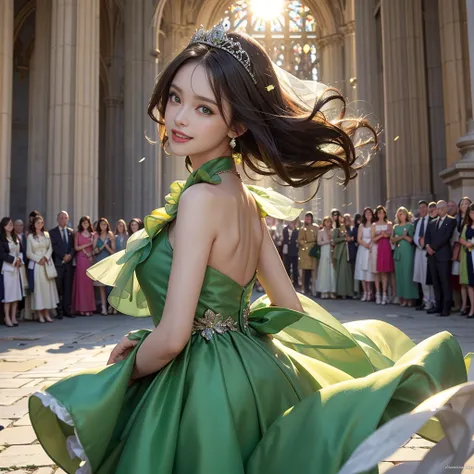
(404, 258)
(344, 277)
(221, 385)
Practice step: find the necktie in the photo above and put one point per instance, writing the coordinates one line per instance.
(422, 227)
(439, 224)
(65, 238)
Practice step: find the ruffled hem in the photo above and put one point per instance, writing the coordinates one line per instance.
(73, 444)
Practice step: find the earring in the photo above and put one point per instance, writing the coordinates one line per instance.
(233, 143)
(164, 147)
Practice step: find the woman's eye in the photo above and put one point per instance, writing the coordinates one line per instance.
(205, 110)
(174, 98)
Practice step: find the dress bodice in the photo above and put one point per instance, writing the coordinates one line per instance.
(219, 293)
(366, 234)
(39, 246)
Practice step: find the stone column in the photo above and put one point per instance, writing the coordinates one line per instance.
(6, 93)
(141, 181)
(332, 70)
(371, 179)
(74, 110)
(351, 203)
(460, 175)
(406, 115)
(38, 117)
(114, 195)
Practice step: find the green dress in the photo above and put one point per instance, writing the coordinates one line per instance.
(404, 257)
(235, 401)
(344, 276)
(463, 275)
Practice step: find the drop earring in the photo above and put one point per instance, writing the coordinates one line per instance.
(233, 143)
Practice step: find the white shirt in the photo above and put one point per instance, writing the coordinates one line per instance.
(417, 235)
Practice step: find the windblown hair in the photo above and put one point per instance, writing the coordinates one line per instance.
(282, 138)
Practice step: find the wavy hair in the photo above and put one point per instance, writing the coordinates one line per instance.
(282, 138)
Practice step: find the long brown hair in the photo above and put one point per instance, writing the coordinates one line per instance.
(282, 138)
(33, 222)
(467, 218)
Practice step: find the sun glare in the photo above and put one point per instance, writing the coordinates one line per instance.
(267, 9)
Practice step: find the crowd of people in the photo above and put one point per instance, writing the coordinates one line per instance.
(422, 259)
(43, 273)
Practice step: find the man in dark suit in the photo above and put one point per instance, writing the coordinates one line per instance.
(438, 248)
(290, 251)
(62, 240)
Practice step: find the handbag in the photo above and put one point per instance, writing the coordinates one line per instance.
(315, 251)
(51, 271)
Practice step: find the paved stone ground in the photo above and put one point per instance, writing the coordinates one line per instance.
(35, 355)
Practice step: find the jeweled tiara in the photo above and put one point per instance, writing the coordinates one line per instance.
(217, 38)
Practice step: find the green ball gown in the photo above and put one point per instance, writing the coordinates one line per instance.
(236, 401)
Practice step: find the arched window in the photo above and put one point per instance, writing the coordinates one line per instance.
(289, 36)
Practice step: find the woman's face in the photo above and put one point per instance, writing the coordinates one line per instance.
(327, 223)
(194, 125)
(368, 215)
(134, 226)
(471, 215)
(401, 216)
(380, 214)
(464, 205)
(121, 228)
(9, 227)
(39, 224)
(85, 224)
(103, 226)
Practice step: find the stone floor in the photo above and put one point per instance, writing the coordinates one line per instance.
(35, 355)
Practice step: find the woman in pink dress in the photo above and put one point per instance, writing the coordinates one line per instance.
(83, 299)
(381, 232)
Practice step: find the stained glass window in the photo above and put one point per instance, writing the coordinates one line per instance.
(289, 37)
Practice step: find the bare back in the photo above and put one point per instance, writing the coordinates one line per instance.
(236, 248)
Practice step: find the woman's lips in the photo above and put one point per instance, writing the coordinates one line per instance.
(179, 137)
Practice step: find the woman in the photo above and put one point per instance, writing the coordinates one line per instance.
(307, 238)
(363, 270)
(44, 295)
(352, 231)
(344, 276)
(404, 256)
(326, 280)
(11, 263)
(382, 255)
(121, 235)
(103, 246)
(459, 257)
(135, 225)
(467, 243)
(83, 299)
(206, 390)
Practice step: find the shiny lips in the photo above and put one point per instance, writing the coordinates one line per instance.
(181, 135)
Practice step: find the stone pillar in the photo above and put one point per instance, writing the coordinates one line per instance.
(460, 175)
(114, 196)
(141, 181)
(351, 202)
(406, 116)
(74, 110)
(330, 47)
(371, 179)
(39, 102)
(6, 93)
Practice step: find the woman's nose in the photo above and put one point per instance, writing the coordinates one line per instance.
(181, 117)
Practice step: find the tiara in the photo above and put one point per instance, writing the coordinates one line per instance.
(217, 38)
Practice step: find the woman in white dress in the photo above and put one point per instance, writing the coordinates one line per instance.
(326, 281)
(363, 271)
(39, 250)
(11, 261)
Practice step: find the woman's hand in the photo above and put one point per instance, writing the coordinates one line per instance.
(122, 350)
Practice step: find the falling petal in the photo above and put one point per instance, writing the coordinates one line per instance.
(142, 160)
(270, 87)
(396, 138)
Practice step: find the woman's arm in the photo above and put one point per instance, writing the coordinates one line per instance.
(321, 240)
(49, 250)
(110, 248)
(338, 236)
(195, 231)
(273, 277)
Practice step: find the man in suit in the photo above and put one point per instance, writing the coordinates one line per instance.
(420, 268)
(62, 240)
(290, 251)
(438, 248)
